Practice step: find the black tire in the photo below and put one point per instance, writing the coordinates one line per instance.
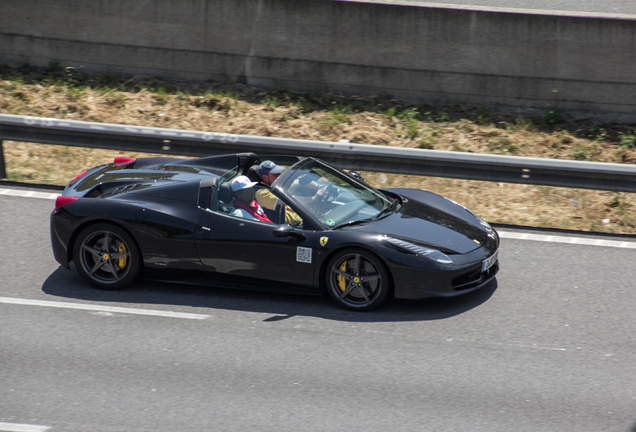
(357, 280)
(106, 256)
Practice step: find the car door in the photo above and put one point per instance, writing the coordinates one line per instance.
(245, 248)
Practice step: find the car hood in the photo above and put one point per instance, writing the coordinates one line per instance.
(431, 223)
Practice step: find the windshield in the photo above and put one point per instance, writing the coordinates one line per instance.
(333, 197)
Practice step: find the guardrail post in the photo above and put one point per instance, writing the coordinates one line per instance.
(3, 172)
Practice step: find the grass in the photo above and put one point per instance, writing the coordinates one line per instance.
(73, 94)
(341, 114)
(61, 92)
(583, 152)
(272, 101)
(627, 140)
(427, 142)
(161, 96)
(502, 146)
(409, 114)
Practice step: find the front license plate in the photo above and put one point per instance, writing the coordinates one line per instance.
(489, 262)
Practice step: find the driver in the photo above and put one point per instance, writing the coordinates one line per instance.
(313, 195)
(244, 204)
(268, 171)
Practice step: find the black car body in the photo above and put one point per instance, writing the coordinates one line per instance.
(169, 219)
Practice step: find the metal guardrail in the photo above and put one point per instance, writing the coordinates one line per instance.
(471, 166)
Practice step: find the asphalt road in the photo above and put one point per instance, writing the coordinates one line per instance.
(627, 7)
(550, 347)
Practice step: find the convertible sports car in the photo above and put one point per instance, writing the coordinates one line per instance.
(169, 219)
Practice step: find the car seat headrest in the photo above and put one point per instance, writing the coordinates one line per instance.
(252, 173)
(225, 192)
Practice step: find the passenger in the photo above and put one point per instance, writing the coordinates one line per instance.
(268, 171)
(244, 203)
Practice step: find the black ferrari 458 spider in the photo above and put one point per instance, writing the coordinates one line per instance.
(172, 219)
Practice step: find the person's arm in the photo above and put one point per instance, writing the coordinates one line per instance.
(266, 199)
(291, 217)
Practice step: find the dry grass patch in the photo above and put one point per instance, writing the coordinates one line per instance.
(144, 101)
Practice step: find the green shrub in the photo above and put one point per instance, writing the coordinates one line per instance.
(272, 101)
(597, 134)
(408, 114)
(73, 93)
(628, 141)
(427, 142)
(341, 114)
(161, 96)
(443, 117)
(412, 131)
(582, 152)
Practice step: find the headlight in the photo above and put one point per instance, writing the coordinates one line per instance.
(433, 254)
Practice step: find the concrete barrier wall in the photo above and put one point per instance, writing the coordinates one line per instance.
(580, 64)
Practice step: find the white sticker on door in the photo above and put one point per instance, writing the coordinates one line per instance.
(303, 254)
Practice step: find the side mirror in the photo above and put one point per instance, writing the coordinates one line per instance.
(356, 175)
(288, 231)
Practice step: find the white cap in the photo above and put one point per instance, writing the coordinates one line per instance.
(242, 182)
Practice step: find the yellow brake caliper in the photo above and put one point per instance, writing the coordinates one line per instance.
(122, 260)
(342, 282)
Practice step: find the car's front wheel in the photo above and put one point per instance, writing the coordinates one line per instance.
(357, 280)
(106, 256)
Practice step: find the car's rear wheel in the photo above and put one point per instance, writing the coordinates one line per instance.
(106, 256)
(357, 280)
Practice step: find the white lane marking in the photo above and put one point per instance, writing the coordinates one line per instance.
(568, 240)
(18, 427)
(99, 308)
(533, 346)
(500, 9)
(29, 194)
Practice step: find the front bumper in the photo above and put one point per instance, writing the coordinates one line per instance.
(447, 284)
(412, 280)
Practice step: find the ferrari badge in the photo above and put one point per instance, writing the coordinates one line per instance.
(323, 241)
